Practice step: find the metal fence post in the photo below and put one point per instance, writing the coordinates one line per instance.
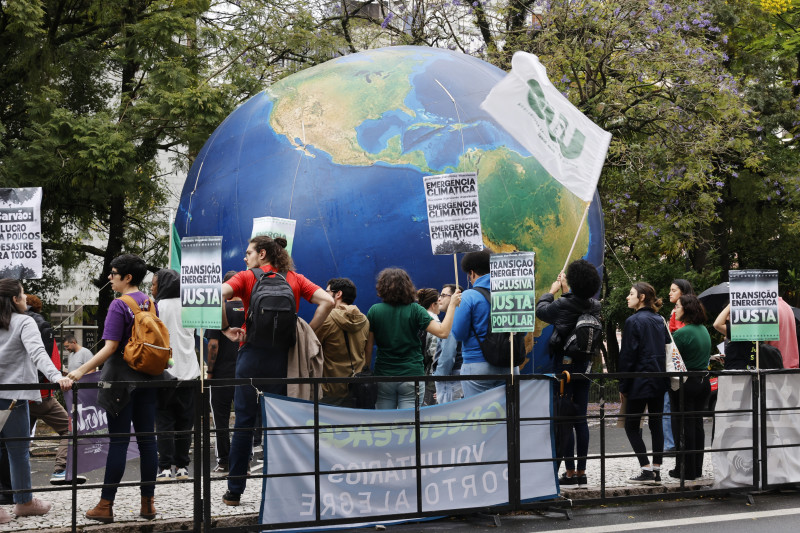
(755, 383)
(74, 457)
(205, 401)
(417, 444)
(602, 438)
(762, 385)
(197, 434)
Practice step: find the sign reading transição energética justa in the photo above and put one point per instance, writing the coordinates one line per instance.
(201, 282)
(513, 292)
(754, 305)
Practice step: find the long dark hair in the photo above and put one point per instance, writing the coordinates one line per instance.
(275, 253)
(693, 310)
(684, 285)
(394, 287)
(650, 300)
(9, 288)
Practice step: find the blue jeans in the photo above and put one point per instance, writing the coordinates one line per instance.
(447, 391)
(471, 388)
(141, 410)
(398, 395)
(669, 442)
(251, 363)
(18, 426)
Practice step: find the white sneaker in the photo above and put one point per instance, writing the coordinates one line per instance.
(165, 475)
(182, 473)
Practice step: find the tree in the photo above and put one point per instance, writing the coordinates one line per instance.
(92, 93)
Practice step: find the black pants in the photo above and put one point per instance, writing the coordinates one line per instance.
(221, 401)
(175, 413)
(695, 396)
(655, 410)
(5, 472)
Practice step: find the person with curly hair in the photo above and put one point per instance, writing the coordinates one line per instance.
(578, 287)
(394, 327)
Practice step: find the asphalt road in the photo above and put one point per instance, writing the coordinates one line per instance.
(776, 513)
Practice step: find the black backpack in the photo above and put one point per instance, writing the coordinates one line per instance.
(272, 315)
(496, 347)
(584, 340)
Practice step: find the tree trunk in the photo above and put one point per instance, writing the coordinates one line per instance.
(116, 230)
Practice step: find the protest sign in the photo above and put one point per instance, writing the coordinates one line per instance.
(91, 422)
(454, 217)
(472, 430)
(569, 146)
(21, 233)
(513, 292)
(754, 305)
(201, 282)
(275, 227)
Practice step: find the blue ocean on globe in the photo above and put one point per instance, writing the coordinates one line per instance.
(342, 148)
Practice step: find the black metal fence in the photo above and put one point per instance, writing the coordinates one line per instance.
(203, 516)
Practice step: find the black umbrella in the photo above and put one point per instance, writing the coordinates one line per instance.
(716, 298)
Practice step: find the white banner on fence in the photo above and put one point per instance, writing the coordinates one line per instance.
(734, 469)
(21, 233)
(478, 435)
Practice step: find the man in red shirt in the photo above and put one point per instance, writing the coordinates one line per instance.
(270, 256)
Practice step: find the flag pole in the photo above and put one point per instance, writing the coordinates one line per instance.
(511, 337)
(455, 269)
(202, 364)
(169, 229)
(577, 234)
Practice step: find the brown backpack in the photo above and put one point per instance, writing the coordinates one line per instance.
(148, 348)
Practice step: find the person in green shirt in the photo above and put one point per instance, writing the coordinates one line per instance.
(395, 327)
(694, 344)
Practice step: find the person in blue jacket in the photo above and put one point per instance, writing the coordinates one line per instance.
(643, 350)
(471, 324)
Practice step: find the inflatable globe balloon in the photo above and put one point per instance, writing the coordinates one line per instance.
(342, 149)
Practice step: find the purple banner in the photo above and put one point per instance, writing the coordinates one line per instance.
(92, 420)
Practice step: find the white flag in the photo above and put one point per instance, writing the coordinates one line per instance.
(568, 145)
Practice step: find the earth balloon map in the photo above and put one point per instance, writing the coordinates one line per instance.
(342, 148)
